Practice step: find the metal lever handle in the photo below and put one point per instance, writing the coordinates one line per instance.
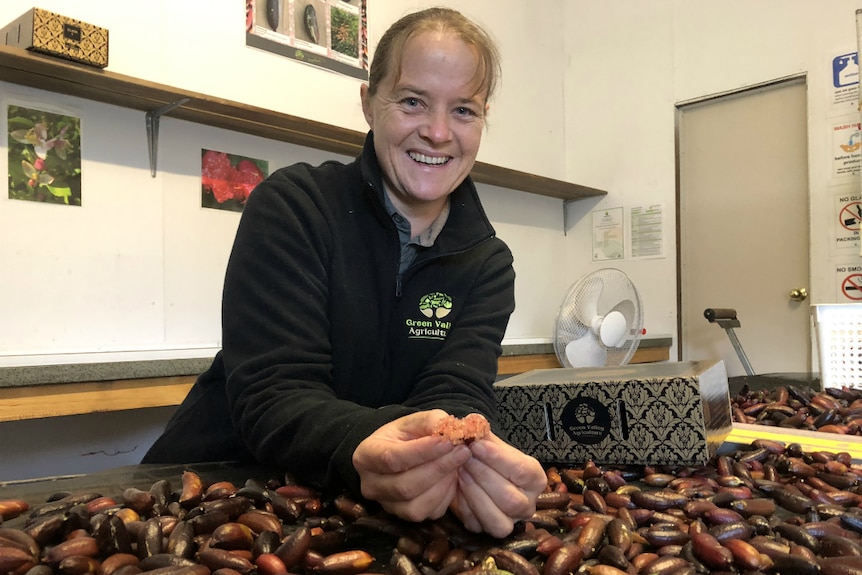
(713, 314)
(727, 320)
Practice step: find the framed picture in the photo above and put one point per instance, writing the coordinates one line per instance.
(331, 34)
(44, 156)
(228, 179)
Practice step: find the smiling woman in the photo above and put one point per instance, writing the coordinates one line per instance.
(428, 124)
(321, 372)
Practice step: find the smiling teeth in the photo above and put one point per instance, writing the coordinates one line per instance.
(434, 161)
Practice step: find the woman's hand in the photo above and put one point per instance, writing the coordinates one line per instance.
(497, 487)
(411, 471)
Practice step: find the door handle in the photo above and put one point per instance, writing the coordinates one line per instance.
(799, 294)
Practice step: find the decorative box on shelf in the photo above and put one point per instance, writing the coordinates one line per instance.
(49, 33)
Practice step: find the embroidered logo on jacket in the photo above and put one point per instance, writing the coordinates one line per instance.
(433, 306)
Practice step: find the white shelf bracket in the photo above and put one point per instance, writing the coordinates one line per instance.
(153, 118)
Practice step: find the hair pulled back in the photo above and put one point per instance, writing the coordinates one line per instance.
(387, 55)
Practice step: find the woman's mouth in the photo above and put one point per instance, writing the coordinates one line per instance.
(428, 160)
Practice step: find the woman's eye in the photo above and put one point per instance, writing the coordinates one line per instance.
(411, 102)
(464, 111)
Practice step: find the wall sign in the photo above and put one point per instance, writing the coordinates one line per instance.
(846, 149)
(847, 212)
(849, 282)
(608, 234)
(845, 82)
(331, 34)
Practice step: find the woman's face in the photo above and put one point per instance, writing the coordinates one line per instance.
(428, 126)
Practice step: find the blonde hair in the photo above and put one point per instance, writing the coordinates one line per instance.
(388, 54)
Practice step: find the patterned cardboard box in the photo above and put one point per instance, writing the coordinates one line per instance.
(647, 414)
(50, 33)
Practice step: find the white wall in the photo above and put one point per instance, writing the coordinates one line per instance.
(629, 63)
(136, 272)
(588, 96)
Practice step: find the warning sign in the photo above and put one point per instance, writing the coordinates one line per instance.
(852, 287)
(849, 283)
(846, 149)
(848, 215)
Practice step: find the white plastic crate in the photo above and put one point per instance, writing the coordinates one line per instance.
(839, 343)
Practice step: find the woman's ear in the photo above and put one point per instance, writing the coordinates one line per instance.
(365, 97)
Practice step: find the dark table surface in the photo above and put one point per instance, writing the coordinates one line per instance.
(773, 380)
(112, 482)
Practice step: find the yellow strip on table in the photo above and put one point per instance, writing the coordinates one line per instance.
(745, 433)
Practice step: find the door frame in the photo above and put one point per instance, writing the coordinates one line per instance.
(793, 78)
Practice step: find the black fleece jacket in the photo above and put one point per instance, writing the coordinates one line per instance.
(321, 345)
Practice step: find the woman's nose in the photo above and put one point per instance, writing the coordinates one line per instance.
(436, 128)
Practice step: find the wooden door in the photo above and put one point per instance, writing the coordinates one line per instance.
(743, 226)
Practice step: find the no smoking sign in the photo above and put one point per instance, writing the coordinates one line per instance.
(849, 280)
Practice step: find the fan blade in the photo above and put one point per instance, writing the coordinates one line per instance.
(586, 352)
(628, 309)
(613, 329)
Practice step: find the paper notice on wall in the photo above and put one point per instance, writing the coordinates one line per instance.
(847, 213)
(330, 35)
(848, 279)
(844, 87)
(608, 234)
(846, 149)
(647, 231)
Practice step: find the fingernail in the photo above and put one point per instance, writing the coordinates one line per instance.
(462, 454)
(464, 477)
(478, 449)
(443, 447)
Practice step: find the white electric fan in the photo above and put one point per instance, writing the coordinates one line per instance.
(600, 321)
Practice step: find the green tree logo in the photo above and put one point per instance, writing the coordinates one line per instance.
(435, 305)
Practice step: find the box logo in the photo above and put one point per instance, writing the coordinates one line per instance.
(71, 32)
(586, 420)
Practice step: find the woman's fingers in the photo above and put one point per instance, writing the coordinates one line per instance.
(418, 475)
(517, 467)
(431, 504)
(497, 487)
(415, 481)
(461, 508)
(489, 517)
(381, 454)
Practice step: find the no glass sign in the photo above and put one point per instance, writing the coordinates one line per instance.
(848, 210)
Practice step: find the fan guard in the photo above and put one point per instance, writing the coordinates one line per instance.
(600, 321)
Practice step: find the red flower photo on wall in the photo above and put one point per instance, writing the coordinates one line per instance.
(228, 179)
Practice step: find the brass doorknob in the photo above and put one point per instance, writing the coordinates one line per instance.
(799, 294)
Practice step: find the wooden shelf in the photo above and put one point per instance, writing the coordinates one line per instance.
(39, 401)
(49, 73)
(35, 402)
